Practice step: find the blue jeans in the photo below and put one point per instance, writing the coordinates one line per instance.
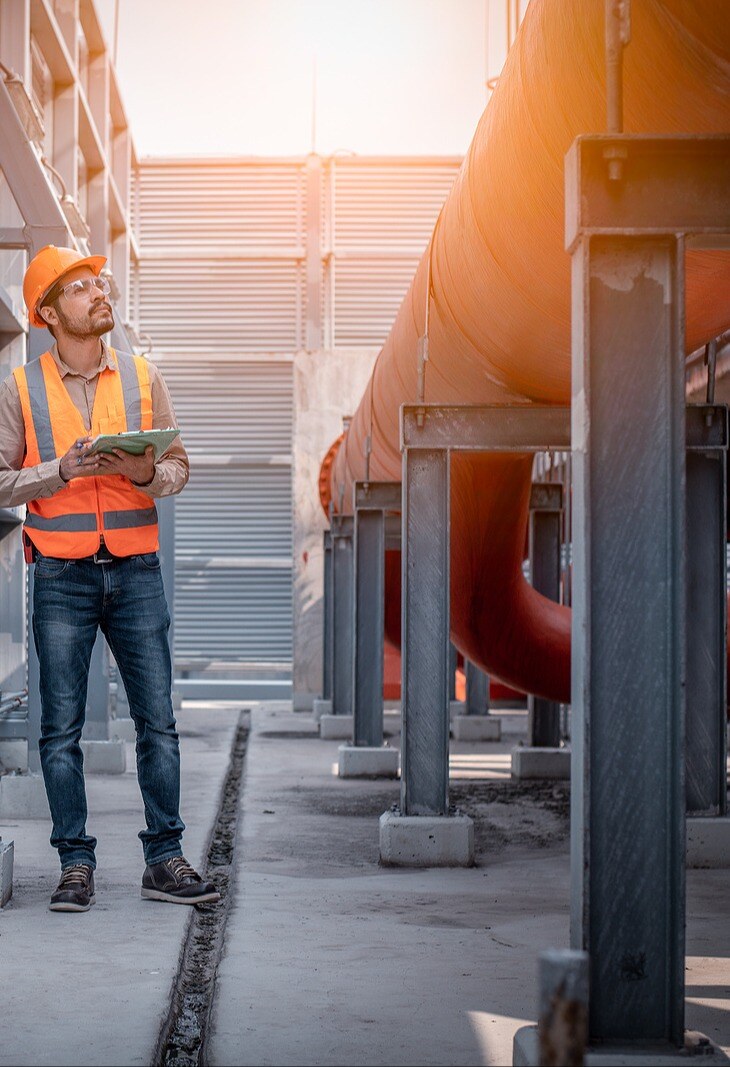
(72, 599)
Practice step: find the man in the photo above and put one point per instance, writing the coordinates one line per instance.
(91, 530)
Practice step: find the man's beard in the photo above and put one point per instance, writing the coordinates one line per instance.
(83, 331)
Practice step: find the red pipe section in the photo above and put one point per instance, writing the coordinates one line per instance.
(500, 298)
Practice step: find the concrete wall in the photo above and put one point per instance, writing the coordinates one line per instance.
(327, 385)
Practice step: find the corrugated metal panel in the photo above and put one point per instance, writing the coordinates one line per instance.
(233, 408)
(381, 215)
(218, 206)
(233, 522)
(367, 295)
(233, 306)
(251, 622)
(388, 207)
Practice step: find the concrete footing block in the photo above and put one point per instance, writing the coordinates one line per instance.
(104, 757)
(6, 871)
(336, 727)
(426, 840)
(361, 761)
(321, 707)
(23, 796)
(541, 762)
(13, 755)
(457, 707)
(708, 842)
(476, 728)
(122, 729)
(392, 722)
(526, 1052)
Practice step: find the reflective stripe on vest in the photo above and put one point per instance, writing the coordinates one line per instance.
(38, 395)
(127, 520)
(130, 388)
(71, 522)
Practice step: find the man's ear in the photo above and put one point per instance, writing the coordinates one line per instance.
(48, 315)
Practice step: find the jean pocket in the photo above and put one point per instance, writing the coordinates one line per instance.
(150, 560)
(50, 567)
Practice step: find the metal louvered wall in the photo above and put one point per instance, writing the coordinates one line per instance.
(244, 263)
(382, 212)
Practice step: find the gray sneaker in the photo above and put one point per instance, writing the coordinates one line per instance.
(75, 891)
(175, 881)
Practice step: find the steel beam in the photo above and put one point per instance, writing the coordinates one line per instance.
(342, 601)
(485, 428)
(546, 509)
(383, 495)
(425, 633)
(45, 222)
(706, 725)
(691, 170)
(629, 596)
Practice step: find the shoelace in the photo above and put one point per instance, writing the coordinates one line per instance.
(79, 872)
(182, 869)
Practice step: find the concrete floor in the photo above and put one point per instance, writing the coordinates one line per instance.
(95, 987)
(329, 958)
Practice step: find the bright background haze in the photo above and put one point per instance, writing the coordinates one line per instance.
(235, 77)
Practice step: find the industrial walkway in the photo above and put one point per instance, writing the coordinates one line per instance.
(328, 957)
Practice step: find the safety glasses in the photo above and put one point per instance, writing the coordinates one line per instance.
(84, 285)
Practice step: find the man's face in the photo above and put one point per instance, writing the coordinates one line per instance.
(80, 315)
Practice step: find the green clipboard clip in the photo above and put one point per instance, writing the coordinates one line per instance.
(134, 441)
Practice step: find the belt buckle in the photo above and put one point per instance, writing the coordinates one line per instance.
(107, 558)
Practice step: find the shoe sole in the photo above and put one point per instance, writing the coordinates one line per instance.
(157, 894)
(72, 907)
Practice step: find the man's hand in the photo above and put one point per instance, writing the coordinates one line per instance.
(139, 469)
(76, 463)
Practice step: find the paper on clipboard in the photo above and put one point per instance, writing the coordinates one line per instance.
(134, 441)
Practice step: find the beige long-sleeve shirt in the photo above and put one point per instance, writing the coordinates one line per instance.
(20, 484)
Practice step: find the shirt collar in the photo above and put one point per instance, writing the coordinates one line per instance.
(105, 363)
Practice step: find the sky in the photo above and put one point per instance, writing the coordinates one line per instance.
(241, 77)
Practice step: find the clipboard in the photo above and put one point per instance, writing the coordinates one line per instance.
(134, 441)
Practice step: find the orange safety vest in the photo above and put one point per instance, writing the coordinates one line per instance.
(70, 523)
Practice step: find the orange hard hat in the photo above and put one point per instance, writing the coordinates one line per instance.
(44, 270)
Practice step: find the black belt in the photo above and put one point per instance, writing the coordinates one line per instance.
(103, 555)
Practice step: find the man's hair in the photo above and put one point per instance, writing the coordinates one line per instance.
(49, 300)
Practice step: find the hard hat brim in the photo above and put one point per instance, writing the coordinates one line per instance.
(94, 263)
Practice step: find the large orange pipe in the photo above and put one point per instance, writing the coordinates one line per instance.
(500, 303)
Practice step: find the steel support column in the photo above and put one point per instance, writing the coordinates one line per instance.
(477, 690)
(371, 500)
(328, 619)
(342, 611)
(425, 633)
(625, 229)
(706, 729)
(429, 432)
(369, 613)
(453, 667)
(546, 507)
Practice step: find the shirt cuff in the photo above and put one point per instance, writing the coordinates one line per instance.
(50, 473)
(153, 488)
